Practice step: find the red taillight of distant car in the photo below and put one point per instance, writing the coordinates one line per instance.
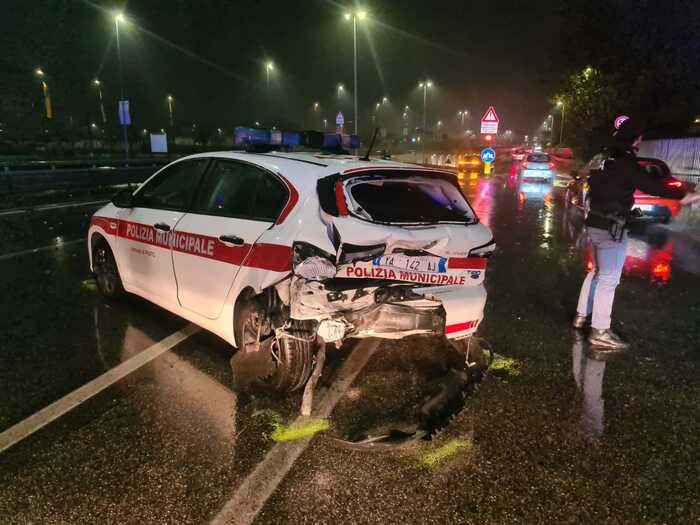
(524, 164)
(674, 183)
(551, 165)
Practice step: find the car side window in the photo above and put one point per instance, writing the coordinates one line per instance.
(236, 189)
(173, 188)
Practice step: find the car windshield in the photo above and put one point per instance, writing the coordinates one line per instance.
(538, 157)
(418, 199)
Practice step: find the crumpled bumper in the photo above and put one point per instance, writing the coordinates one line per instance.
(390, 311)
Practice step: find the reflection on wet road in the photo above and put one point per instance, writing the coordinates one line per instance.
(172, 443)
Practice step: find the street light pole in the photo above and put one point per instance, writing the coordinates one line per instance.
(45, 90)
(560, 103)
(99, 97)
(355, 15)
(170, 111)
(119, 17)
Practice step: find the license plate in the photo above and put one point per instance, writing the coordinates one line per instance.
(459, 271)
(645, 207)
(423, 263)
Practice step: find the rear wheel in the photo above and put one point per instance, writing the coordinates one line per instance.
(109, 282)
(291, 354)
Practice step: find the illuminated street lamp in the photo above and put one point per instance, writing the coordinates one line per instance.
(424, 86)
(269, 67)
(560, 103)
(340, 90)
(463, 114)
(171, 103)
(98, 84)
(385, 100)
(355, 16)
(45, 90)
(119, 18)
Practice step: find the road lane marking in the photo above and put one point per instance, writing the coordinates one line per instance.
(46, 415)
(42, 249)
(256, 489)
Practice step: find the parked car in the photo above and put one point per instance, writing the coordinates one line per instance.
(646, 207)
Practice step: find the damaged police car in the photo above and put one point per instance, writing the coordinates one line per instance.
(284, 252)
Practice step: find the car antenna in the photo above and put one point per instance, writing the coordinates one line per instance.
(371, 145)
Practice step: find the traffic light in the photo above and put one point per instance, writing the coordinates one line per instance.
(488, 139)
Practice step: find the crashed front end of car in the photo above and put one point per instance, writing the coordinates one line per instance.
(403, 254)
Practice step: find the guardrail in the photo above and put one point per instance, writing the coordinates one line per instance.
(75, 176)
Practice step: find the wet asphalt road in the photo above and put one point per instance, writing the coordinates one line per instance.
(554, 434)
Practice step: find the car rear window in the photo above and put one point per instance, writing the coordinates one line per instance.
(416, 199)
(538, 157)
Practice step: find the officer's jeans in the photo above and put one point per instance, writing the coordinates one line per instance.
(598, 289)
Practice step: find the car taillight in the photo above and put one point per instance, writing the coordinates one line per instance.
(340, 199)
(524, 164)
(311, 262)
(674, 183)
(551, 165)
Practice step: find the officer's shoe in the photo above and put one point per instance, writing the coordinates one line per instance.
(607, 339)
(580, 321)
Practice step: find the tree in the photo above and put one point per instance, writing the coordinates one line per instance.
(636, 58)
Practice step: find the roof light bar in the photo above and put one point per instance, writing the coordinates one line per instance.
(245, 136)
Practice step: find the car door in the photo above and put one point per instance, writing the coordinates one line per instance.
(143, 246)
(235, 203)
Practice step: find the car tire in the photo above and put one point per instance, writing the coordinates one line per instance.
(106, 272)
(292, 352)
(295, 361)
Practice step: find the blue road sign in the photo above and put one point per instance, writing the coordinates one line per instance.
(124, 115)
(488, 155)
(340, 119)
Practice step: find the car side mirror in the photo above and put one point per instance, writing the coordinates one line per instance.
(123, 199)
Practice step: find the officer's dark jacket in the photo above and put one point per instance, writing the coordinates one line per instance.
(612, 188)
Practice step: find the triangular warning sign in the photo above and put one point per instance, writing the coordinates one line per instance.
(490, 115)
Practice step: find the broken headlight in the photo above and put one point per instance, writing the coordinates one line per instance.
(311, 262)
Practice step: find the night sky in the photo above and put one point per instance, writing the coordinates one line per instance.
(210, 55)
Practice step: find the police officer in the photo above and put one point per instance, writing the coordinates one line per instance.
(611, 199)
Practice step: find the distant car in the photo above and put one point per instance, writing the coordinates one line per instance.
(534, 190)
(537, 166)
(519, 154)
(649, 207)
(470, 165)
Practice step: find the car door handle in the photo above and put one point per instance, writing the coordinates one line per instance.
(162, 226)
(231, 239)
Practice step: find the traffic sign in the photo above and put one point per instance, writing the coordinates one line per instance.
(489, 122)
(488, 155)
(340, 119)
(124, 116)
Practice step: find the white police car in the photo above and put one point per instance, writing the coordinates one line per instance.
(278, 252)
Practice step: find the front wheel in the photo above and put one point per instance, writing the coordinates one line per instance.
(109, 282)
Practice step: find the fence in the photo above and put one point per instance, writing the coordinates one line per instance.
(37, 177)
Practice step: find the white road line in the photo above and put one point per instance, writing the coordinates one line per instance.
(43, 417)
(256, 489)
(42, 249)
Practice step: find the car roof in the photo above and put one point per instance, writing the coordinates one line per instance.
(303, 169)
